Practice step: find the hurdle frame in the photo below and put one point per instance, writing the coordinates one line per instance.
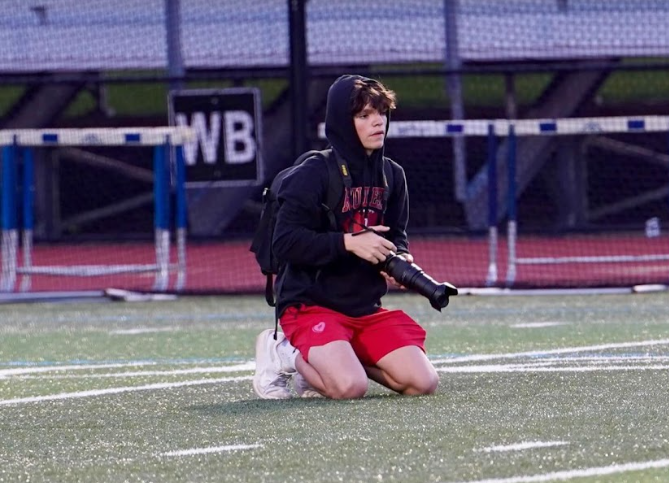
(168, 153)
(557, 127)
(511, 129)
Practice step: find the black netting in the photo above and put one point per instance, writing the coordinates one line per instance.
(107, 63)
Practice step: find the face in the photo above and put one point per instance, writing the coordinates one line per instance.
(370, 125)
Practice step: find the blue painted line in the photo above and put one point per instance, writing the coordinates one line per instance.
(262, 317)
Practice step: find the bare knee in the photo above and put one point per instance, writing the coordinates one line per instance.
(349, 388)
(425, 384)
(430, 385)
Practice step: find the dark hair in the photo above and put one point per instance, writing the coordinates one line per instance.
(372, 92)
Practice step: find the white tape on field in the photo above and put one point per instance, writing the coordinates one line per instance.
(537, 325)
(213, 449)
(524, 446)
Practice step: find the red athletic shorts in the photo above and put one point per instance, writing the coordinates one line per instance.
(371, 336)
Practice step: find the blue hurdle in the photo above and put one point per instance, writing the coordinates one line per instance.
(168, 151)
(512, 129)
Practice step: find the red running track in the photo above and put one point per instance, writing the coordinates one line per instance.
(230, 267)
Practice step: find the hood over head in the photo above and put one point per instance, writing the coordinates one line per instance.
(339, 125)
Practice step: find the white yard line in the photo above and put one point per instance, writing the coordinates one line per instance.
(565, 350)
(537, 325)
(602, 359)
(213, 449)
(143, 330)
(582, 473)
(118, 390)
(528, 368)
(34, 370)
(523, 446)
(248, 366)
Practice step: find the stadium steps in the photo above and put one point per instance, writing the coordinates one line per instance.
(562, 98)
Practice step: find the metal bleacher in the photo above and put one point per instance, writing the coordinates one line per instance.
(130, 34)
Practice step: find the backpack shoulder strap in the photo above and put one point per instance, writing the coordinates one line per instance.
(339, 178)
(308, 154)
(388, 181)
(338, 175)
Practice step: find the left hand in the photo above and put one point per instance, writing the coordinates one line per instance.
(390, 280)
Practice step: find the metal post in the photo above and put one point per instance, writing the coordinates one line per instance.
(454, 86)
(511, 207)
(181, 219)
(9, 225)
(510, 96)
(28, 217)
(161, 216)
(491, 279)
(175, 63)
(299, 74)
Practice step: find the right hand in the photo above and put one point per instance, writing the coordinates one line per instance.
(368, 245)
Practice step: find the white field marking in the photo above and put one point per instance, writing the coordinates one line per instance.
(523, 368)
(213, 449)
(248, 366)
(557, 364)
(573, 362)
(566, 350)
(119, 390)
(585, 362)
(582, 473)
(522, 446)
(33, 370)
(143, 330)
(595, 360)
(601, 359)
(537, 325)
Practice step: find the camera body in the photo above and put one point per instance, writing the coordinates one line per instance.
(413, 277)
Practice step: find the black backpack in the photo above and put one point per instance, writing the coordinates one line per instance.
(339, 178)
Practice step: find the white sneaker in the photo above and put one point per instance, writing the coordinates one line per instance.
(270, 380)
(303, 388)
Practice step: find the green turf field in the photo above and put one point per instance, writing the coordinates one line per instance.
(532, 389)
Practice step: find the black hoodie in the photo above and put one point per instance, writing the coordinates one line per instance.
(319, 270)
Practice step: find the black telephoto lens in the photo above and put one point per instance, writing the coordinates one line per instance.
(413, 277)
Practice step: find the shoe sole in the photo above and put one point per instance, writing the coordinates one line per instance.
(261, 343)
